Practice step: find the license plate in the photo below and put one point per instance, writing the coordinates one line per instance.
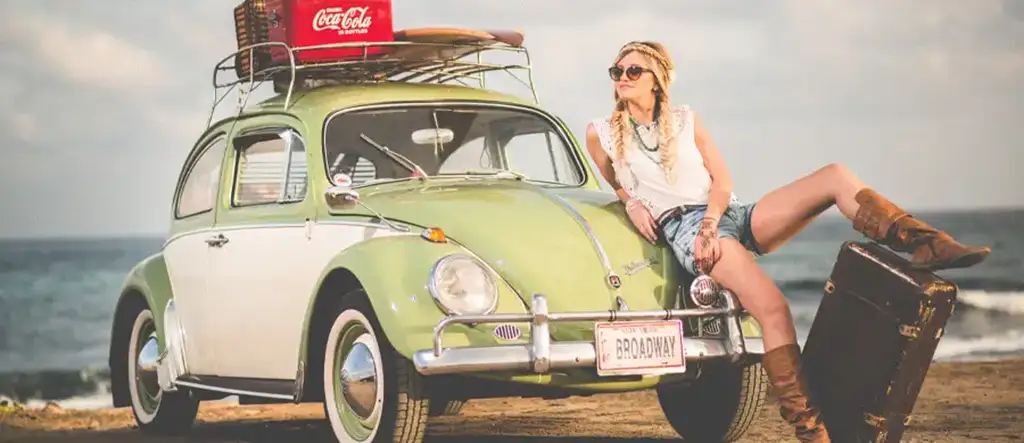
(639, 348)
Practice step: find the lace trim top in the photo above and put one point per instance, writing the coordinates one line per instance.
(640, 172)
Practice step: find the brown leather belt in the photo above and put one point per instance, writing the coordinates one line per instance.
(675, 212)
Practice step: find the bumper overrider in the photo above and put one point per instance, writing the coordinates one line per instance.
(542, 355)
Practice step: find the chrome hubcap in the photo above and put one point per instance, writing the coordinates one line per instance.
(145, 367)
(359, 380)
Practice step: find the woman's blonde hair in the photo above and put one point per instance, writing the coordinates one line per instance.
(664, 73)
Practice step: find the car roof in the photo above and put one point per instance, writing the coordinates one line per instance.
(318, 102)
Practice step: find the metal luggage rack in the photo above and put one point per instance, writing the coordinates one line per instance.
(369, 68)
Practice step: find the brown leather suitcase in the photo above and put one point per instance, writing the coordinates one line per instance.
(872, 341)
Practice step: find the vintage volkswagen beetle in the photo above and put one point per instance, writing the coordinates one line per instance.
(394, 249)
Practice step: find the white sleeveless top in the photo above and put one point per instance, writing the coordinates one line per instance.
(643, 178)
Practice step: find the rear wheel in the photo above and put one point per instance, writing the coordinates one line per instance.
(719, 406)
(155, 411)
(371, 392)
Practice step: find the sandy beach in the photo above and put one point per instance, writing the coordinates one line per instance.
(960, 402)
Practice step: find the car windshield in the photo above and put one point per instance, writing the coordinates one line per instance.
(394, 143)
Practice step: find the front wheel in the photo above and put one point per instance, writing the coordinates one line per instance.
(371, 392)
(155, 411)
(719, 406)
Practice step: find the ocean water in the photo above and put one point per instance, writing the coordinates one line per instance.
(57, 298)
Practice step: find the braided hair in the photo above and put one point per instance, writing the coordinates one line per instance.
(664, 74)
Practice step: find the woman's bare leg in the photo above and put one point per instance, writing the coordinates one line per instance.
(737, 270)
(786, 211)
(783, 213)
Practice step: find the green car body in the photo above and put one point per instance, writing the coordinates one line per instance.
(557, 240)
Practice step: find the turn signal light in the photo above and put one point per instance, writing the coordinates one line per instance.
(435, 235)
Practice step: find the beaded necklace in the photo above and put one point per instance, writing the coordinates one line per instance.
(645, 148)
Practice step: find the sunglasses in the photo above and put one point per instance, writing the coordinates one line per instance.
(633, 72)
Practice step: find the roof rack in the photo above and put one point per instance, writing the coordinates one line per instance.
(424, 62)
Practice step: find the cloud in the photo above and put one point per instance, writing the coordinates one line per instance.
(90, 57)
(924, 102)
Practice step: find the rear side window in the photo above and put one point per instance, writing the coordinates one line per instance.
(270, 168)
(199, 190)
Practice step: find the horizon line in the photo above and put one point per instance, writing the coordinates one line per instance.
(830, 214)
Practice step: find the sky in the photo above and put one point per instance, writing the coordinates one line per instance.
(923, 100)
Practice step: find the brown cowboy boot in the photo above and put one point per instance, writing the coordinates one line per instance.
(783, 367)
(881, 220)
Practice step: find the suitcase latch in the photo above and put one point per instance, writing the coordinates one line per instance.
(829, 287)
(910, 331)
(878, 422)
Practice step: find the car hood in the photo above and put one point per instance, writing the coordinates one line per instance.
(531, 237)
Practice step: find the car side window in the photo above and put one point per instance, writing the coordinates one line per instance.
(270, 168)
(199, 189)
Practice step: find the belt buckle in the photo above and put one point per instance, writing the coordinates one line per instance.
(677, 211)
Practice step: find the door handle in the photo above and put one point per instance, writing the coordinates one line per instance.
(217, 241)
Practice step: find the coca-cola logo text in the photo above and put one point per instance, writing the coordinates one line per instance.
(354, 20)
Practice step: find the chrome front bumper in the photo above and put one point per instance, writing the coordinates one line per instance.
(542, 355)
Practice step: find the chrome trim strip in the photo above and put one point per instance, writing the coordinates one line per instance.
(355, 223)
(611, 278)
(229, 228)
(189, 384)
(275, 225)
(174, 237)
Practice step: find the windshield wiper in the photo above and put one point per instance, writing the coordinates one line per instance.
(398, 158)
(500, 173)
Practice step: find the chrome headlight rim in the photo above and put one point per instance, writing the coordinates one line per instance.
(489, 273)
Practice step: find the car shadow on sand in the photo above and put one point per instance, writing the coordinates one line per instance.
(504, 431)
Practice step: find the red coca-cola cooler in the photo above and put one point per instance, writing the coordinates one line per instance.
(321, 22)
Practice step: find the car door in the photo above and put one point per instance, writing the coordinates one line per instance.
(261, 274)
(186, 251)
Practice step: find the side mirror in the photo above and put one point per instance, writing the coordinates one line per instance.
(341, 197)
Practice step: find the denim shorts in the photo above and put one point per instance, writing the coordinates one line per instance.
(680, 230)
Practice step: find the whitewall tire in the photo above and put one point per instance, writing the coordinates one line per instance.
(371, 393)
(155, 411)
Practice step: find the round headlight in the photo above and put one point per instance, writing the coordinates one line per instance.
(461, 285)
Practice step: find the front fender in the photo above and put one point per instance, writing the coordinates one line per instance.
(150, 281)
(394, 272)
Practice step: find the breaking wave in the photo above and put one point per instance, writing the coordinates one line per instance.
(1004, 302)
(996, 345)
(997, 295)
